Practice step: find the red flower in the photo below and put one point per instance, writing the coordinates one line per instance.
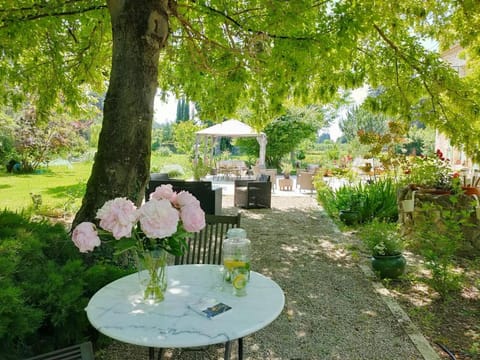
(440, 154)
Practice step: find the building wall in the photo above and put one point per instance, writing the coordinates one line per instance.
(456, 156)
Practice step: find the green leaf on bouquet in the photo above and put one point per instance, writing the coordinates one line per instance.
(124, 245)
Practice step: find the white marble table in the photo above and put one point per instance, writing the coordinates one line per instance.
(118, 311)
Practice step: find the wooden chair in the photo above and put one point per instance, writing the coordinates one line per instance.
(257, 170)
(205, 247)
(82, 351)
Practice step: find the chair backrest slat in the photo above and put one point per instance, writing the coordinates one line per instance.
(82, 351)
(205, 247)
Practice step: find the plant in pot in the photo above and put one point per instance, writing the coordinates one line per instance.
(430, 174)
(350, 213)
(386, 245)
(286, 169)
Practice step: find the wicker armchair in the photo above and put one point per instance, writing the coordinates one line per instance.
(253, 194)
(210, 199)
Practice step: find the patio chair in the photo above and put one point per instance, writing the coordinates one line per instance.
(210, 199)
(273, 176)
(83, 351)
(253, 194)
(305, 181)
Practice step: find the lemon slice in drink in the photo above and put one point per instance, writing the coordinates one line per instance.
(239, 282)
(230, 264)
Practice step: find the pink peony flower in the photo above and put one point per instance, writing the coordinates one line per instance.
(184, 198)
(193, 217)
(158, 218)
(118, 216)
(164, 192)
(85, 237)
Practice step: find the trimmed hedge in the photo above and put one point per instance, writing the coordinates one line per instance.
(46, 285)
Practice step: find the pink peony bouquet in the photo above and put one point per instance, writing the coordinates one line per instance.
(163, 222)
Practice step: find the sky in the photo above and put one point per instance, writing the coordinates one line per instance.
(164, 111)
(358, 96)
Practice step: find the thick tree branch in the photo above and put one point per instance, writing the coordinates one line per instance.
(38, 6)
(30, 14)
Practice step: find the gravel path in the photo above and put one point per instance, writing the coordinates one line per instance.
(332, 310)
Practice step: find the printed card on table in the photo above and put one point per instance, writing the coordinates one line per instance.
(209, 307)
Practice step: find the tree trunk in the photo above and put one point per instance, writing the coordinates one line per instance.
(122, 162)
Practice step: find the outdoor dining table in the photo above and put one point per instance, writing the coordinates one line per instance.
(119, 311)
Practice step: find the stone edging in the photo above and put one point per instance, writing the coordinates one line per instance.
(417, 338)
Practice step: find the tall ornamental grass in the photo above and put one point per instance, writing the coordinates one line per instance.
(372, 200)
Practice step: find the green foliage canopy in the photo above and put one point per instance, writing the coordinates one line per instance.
(226, 55)
(265, 52)
(183, 110)
(360, 119)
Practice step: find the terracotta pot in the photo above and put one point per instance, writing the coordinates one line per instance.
(469, 190)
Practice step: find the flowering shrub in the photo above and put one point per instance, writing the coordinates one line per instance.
(431, 172)
(164, 222)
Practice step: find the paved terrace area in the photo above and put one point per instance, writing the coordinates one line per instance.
(228, 187)
(334, 308)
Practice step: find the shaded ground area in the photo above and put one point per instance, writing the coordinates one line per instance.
(331, 311)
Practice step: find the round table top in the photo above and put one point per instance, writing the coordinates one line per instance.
(118, 310)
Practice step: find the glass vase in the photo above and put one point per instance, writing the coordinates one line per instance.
(152, 274)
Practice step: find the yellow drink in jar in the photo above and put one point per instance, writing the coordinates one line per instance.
(231, 264)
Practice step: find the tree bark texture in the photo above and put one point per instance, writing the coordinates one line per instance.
(122, 162)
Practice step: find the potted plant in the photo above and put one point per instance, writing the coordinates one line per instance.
(350, 214)
(386, 244)
(431, 174)
(286, 169)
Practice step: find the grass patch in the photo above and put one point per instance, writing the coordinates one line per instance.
(62, 187)
(158, 161)
(57, 185)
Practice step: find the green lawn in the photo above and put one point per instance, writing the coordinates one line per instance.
(61, 187)
(58, 186)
